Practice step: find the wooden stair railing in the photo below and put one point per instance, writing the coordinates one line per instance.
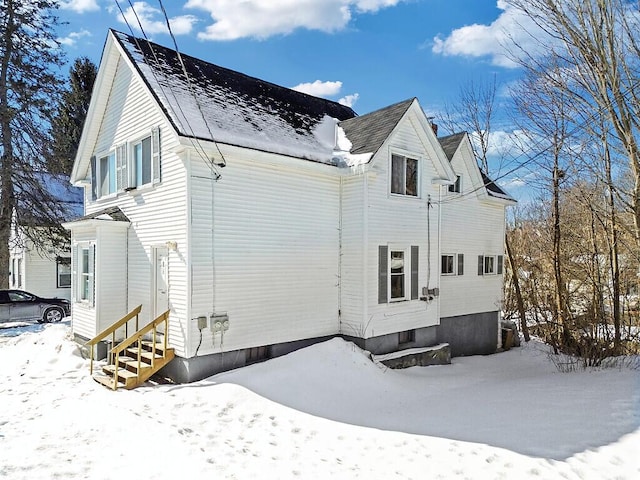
(112, 331)
(146, 356)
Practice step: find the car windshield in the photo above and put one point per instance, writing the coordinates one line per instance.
(20, 296)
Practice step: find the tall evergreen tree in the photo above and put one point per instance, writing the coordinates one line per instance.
(69, 120)
(29, 88)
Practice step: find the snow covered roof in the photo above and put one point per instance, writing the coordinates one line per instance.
(217, 104)
(69, 200)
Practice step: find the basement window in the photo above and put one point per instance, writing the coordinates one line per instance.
(257, 354)
(408, 336)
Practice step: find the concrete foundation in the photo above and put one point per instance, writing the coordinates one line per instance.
(475, 334)
(465, 335)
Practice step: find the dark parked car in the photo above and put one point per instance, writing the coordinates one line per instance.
(21, 305)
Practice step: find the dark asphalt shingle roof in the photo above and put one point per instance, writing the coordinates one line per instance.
(368, 132)
(115, 213)
(451, 143)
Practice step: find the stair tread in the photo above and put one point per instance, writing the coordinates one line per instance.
(143, 353)
(122, 372)
(106, 380)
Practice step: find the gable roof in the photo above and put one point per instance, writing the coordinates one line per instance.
(368, 132)
(450, 145)
(231, 107)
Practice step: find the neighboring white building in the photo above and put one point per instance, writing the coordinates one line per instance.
(266, 219)
(45, 270)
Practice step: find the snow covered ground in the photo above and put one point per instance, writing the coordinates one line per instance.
(322, 412)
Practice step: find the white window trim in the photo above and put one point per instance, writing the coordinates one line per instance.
(454, 266)
(407, 278)
(498, 265)
(406, 154)
(99, 194)
(58, 264)
(131, 165)
(77, 283)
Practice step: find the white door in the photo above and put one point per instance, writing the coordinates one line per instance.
(160, 281)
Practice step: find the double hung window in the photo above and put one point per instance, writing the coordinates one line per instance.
(397, 273)
(127, 167)
(404, 175)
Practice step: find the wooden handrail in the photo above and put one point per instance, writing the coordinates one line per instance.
(111, 330)
(137, 337)
(133, 313)
(140, 333)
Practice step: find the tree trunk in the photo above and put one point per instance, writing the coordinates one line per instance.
(516, 286)
(6, 171)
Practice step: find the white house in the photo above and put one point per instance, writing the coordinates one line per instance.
(265, 219)
(45, 269)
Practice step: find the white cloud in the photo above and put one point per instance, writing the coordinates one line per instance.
(326, 90)
(71, 39)
(349, 100)
(233, 19)
(319, 88)
(493, 40)
(80, 6)
(153, 21)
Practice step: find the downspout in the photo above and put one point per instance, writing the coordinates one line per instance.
(340, 193)
(439, 246)
(365, 252)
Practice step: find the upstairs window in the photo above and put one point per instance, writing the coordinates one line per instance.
(127, 167)
(142, 164)
(455, 187)
(107, 180)
(404, 176)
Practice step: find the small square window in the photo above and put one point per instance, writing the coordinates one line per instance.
(455, 187)
(408, 336)
(452, 264)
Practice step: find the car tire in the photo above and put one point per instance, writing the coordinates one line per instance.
(52, 314)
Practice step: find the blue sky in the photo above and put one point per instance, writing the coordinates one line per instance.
(365, 53)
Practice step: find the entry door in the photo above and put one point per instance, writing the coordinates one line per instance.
(160, 281)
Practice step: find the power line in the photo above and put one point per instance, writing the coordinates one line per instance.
(195, 142)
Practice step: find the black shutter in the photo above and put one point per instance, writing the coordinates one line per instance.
(383, 256)
(500, 262)
(480, 264)
(415, 250)
(460, 264)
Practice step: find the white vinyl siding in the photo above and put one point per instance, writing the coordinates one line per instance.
(395, 220)
(158, 215)
(353, 282)
(483, 234)
(275, 245)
